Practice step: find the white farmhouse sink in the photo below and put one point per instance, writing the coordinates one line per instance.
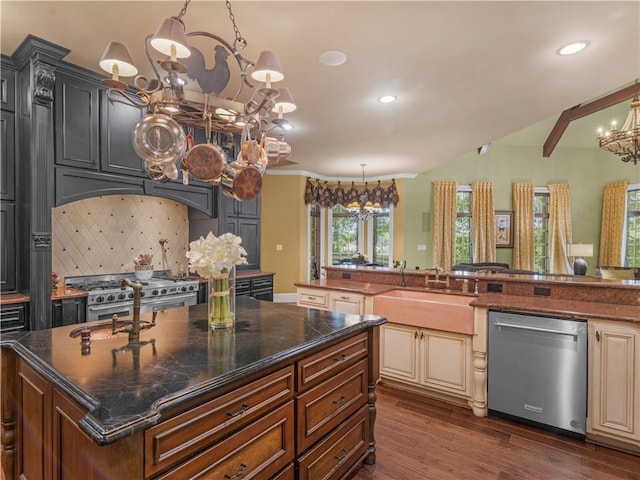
(438, 311)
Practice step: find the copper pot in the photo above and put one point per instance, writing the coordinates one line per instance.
(205, 161)
(241, 182)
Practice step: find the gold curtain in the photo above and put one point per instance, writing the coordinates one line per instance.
(614, 209)
(483, 222)
(523, 243)
(559, 228)
(444, 224)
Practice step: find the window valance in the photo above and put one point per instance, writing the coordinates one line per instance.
(330, 194)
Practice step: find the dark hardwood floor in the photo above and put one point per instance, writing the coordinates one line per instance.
(419, 438)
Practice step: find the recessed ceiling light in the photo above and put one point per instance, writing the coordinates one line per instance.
(332, 58)
(387, 99)
(574, 47)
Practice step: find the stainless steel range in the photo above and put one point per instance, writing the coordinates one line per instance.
(161, 292)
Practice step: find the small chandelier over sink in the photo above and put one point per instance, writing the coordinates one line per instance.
(626, 141)
(188, 92)
(363, 208)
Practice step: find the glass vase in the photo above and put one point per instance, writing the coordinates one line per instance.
(222, 299)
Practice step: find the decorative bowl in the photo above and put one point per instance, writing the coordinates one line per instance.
(143, 272)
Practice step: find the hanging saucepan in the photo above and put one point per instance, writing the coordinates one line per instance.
(158, 139)
(161, 173)
(206, 160)
(276, 150)
(241, 182)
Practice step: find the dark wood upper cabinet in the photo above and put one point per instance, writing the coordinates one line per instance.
(77, 122)
(118, 118)
(7, 156)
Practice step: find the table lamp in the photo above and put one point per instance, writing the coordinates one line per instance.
(578, 251)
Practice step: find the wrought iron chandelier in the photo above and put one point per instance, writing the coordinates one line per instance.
(188, 93)
(364, 208)
(626, 141)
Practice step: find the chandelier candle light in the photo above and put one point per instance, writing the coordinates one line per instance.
(215, 259)
(626, 141)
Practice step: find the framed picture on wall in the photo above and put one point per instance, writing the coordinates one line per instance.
(504, 229)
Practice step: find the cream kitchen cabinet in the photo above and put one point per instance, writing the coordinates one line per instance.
(334, 300)
(438, 360)
(614, 379)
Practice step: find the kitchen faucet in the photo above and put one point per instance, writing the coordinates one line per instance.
(403, 264)
(134, 328)
(436, 281)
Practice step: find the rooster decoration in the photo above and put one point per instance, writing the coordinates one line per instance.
(212, 80)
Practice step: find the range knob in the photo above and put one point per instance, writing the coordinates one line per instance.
(99, 299)
(154, 291)
(111, 297)
(130, 295)
(191, 287)
(121, 296)
(183, 289)
(163, 291)
(142, 294)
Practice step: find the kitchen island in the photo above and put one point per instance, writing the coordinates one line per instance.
(287, 393)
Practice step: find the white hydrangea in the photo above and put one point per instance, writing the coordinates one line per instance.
(212, 255)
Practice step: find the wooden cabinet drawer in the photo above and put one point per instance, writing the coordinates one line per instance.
(184, 435)
(260, 450)
(339, 452)
(288, 473)
(13, 317)
(314, 298)
(325, 364)
(326, 406)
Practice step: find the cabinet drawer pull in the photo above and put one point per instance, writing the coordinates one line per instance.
(243, 409)
(239, 473)
(340, 400)
(597, 335)
(415, 334)
(344, 297)
(341, 358)
(309, 297)
(341, 455)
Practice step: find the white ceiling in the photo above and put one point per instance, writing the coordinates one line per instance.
(466, 73)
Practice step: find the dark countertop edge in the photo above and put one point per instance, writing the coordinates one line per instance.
(561, 308)
(13, 298)
(103, 434)
(239, 274)
(583, 280)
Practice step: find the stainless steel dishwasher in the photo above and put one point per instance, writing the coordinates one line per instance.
(537, 370)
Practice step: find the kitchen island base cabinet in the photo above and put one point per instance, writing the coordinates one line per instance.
(614, 379)
(54, 446)
(437, 361)
(310, 417)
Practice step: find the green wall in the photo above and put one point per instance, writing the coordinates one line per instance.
(586, 170)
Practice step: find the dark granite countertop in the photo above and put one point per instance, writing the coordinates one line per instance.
(125, 387)
(563, 308)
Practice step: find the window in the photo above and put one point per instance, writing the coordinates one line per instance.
(381, 238)
(315, 236)
(349, 235)
(463, 225)
(345, 235)
(541, 230)
(632, 237)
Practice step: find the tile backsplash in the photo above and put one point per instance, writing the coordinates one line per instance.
(103, 234)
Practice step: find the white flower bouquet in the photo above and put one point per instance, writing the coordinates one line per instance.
(215, 258)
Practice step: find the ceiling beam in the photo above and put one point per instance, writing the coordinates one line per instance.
(580, 111)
